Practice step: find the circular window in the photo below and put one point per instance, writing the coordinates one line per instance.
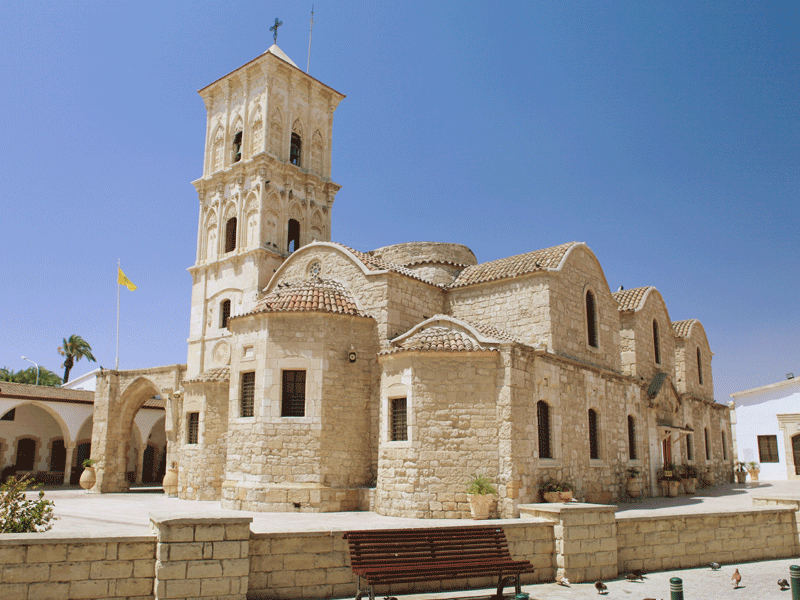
(315, 269)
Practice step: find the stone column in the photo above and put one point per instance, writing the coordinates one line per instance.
(204, 556)
(585, 538)
(140, 463)
(68, 464)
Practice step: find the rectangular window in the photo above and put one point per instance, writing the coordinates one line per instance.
(247, 394)
(594, 438)
(708, 446)
(689, 449)
(631, 438)
(768, 448)
(293, 397)
(399, 420)
(193, 427)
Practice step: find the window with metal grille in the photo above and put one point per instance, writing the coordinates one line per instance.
(9, 416)
(768, 448)
(224, 313)
(399, 420)
(699, 368)
(656, 343)
(293, 398)
(247, 395)
(295, 150)
(594, 442)
(689, 448)
(230, 235)
(708, 446)
(543, 423)
(631, 438)
(591, 319)
(193, 428)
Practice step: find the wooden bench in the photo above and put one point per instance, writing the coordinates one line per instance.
(391, 556)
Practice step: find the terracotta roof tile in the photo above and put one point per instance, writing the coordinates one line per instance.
(442, 339)
(215, 374)
(681, 328)
(376, 264)
(631, 299)
(491, 331)
(513, 266)
(9, 389)
(316, 295)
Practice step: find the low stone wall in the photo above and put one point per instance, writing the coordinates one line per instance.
(216, 555)
(685, 541)
(317, 564)
(52, 566)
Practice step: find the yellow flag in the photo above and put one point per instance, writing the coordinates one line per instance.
(122, 279)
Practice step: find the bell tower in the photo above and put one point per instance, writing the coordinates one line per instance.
(266, 190)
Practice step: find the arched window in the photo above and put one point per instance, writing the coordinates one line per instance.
(591, 319)
(237, 147)
(631, 438)
(295, 149)
(230, 235)
(543, 422)
(689, 447)
(656, 343)
(699, 368)
(594, 438)
(58, 456)
(293, 242)
(224, 313)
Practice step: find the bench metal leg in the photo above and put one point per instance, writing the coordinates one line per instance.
(502, 582)
(362, 592)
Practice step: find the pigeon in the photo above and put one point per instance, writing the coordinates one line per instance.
(634, 575)
(563, 581)
(601, 587)
(714, 566)
(783, 584)
(639, 573)
(736, 579)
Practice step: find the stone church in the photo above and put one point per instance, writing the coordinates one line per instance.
(323, 378)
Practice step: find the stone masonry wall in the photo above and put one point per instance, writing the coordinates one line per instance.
(686, 541)
(42, 565)
(636, 339)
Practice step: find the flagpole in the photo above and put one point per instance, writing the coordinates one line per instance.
(116, 364)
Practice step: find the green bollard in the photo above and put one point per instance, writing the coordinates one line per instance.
(794, 572)
(676, 588)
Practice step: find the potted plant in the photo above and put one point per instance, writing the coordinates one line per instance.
(88, 477)
(557, 491)
(741, 472)
(480, 493)
(633, 486)
(689, 475)
(170, 482)
(754, 469)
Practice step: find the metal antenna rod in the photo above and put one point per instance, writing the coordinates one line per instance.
(310, 31)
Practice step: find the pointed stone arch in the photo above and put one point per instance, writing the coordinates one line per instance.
(317, 150)
(209, 249)
(118, 398)
(256, 131)
(276, 133)
(251, 224)
(317, 227)
(216, 156)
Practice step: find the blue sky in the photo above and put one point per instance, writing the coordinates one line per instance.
(665, 135)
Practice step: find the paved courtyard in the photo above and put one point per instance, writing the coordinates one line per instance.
(97, 515)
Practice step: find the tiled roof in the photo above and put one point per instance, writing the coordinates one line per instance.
(376, 264)
(631, 299)
(442, 339)
(513, 266)
(9, 389)
(494, 332)
(215, 374)
(681, 328)
(316, 295)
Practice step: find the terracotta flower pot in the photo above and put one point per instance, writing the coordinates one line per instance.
(633, 487)
(753, 474)
(480, 505)
(170, 482)
(709, 478)
(741, 476)
(674, 488)
(88, 478)
(690, 485)
(557, 496)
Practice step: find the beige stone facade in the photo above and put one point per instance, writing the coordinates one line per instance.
(321, 378)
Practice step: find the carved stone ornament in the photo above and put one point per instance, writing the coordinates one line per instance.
(222, 353)
(315, 269)
(263, 174)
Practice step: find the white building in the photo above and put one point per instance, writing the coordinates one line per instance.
(766, 428)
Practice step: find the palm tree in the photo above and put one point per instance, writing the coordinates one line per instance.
(74, 349)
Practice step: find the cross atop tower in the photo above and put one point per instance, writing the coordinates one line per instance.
(274, 29)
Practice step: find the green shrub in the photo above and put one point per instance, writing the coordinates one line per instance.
(21, 515)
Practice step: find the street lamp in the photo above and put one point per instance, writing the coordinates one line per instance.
(37, 368)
